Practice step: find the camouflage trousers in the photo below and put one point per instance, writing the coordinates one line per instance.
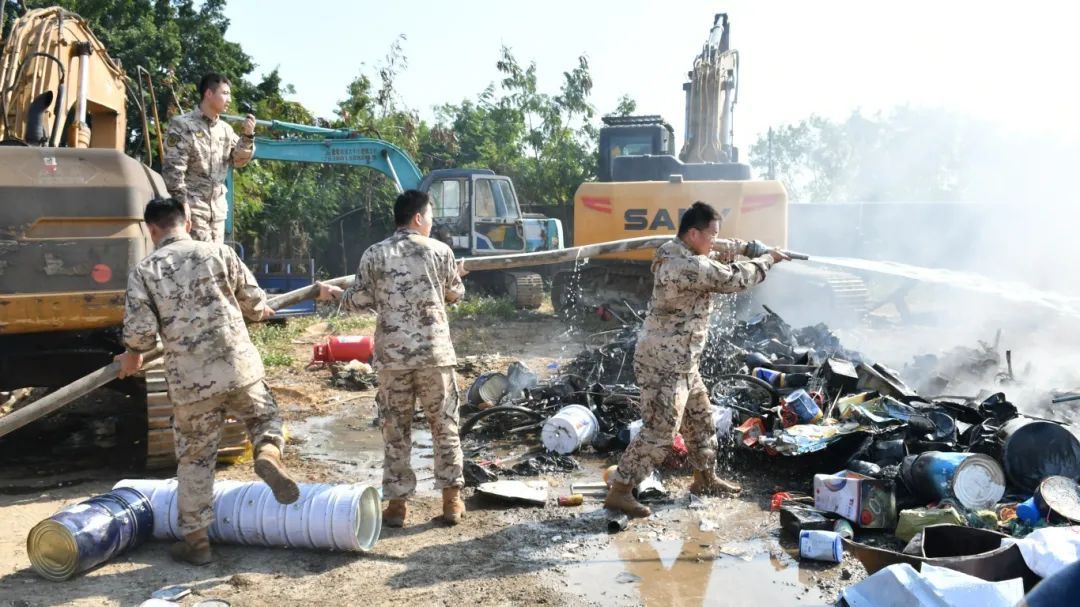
(205, 225)
(670, 403)
(437, 392)
(197, 427)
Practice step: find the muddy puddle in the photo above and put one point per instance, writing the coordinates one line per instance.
(715, 556)
(355, 448)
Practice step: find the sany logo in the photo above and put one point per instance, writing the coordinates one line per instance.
(639, 219)
(596, 203)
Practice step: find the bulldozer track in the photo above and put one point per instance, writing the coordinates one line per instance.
(526, 289)
(160, 441)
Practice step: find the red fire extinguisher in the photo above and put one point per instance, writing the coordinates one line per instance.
(344, 348)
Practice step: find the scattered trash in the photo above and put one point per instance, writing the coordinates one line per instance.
(796, 518)
(977, 552)
(1035, 449)
(910, 522)
(1059, 496)
(844, 529)
(975, 480)
(541, 464)
(171, 593)
(476, 474)
(589, 488)
(488, 388)
(575, 499)
(528, 492)
(650, 489)
(821, 546)
(570, 429)
(863, 500)
(89, 533)
(354, 375)
(617, 521)
(1048, 550)
(902, 584)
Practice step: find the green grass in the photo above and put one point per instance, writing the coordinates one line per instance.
(484, 307)
(275, 340)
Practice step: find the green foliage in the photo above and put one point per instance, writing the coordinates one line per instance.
(484, 307)
(908, 154)
(626, 107)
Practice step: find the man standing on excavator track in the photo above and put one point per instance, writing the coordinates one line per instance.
(407, 280)
(687, 272)
(196, 295)
(199, 149)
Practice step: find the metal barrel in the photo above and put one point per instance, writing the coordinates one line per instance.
(89, 533)
(973, 479)
(326, 517)
(1035, 449)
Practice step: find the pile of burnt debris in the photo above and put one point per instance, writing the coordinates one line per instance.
(887, 457)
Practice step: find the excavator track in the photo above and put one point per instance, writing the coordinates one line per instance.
(526, 289)
(160, 442)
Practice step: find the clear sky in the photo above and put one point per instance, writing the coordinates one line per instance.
(1015, 64)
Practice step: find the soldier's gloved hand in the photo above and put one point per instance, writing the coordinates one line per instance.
(328, 292)
(249, 125)
(461, 271)
(130, 363)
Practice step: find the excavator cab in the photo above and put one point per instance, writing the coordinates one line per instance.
(476, 211)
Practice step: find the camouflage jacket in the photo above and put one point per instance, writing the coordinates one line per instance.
(196, 296)
(198, 154)
(407, 280)
(682, 301)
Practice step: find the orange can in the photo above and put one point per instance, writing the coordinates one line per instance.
(571, 500)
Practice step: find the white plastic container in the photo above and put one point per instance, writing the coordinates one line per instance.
(568, 430)
(327, 517)
(821, 546)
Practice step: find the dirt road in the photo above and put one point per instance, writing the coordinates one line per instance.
(686, 554)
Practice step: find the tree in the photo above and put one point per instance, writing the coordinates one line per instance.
(626, 107)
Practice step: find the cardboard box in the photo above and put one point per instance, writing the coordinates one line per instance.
(867, 502)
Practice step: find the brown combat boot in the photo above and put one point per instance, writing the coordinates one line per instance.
(620, 498)
(706, 482)
(269, 468)
(395, 513)
(452, 506)
(194, 549)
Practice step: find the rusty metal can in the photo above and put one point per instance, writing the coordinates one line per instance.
(571, 500)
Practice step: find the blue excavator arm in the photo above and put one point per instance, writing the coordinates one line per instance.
(336, 146)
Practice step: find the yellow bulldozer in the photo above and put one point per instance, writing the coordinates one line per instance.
(71, 205)
(642, 189)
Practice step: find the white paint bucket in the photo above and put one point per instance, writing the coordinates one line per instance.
(821, 546)
(327, 517)
(569, 429)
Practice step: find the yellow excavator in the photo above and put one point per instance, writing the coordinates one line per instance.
(642, 189)
(71, 205)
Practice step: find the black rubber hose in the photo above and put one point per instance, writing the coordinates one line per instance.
(774, 395)
(467, 427)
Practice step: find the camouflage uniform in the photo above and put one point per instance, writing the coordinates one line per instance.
(198, 154)
(669, 348)
(407, 280)
(196, 296)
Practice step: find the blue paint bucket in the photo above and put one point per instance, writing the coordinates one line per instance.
(89, 533)
(771, 377)
(803, 406)
(973, 479)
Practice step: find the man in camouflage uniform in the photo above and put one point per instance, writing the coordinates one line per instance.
(199, 149)
(687, 272)
(195, 295)
(407, 280)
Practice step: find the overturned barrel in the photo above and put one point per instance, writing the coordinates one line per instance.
(1032, 450)
(87, 534)
(326, 517)
(973, 479)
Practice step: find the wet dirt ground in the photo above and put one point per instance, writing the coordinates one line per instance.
(710, 551)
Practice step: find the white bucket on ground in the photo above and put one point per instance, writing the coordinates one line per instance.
(327, 517)
(569, 429)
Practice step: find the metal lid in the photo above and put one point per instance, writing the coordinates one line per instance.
(52, 550)
(979, 482)
(1062, 495)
